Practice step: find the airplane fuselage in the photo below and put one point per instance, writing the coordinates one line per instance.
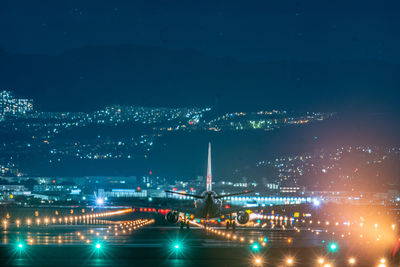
(208, 207)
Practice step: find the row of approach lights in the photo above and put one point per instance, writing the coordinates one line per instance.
(66, 219)
(337, 233)
(333, 247)
(263, 240)
(130, 226)
(273, 219)
(289, 261)
(346, 223)
(348, 233)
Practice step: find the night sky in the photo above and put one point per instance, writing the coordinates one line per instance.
(255, 30)
(252, 34)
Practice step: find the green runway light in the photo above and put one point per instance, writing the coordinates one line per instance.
(333, 247)
(255, 247)
(20, 247)
(177, 247)
(265, 239)
(98, 245)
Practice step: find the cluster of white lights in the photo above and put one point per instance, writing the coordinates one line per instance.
(290, 261)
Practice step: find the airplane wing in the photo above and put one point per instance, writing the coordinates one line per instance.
(183, 194)
(183, 211)
(233, 194)
(228, 209)
(164, 208)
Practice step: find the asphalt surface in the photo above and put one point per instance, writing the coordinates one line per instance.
(154, 244)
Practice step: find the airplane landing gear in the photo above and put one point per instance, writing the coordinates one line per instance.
(231, 223)
(228, 224)
(183, 224)
(233, 226)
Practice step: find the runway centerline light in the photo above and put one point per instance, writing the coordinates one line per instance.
(98, 245)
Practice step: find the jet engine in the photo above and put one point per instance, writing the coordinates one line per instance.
(172, 217)
(242, 217)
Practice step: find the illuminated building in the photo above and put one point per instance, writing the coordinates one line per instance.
(9, 105)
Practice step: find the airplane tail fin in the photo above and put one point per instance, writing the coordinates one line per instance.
(209, 179)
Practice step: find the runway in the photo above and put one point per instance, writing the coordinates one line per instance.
(147, 240)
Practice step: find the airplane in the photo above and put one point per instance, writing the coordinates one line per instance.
(209, 206)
